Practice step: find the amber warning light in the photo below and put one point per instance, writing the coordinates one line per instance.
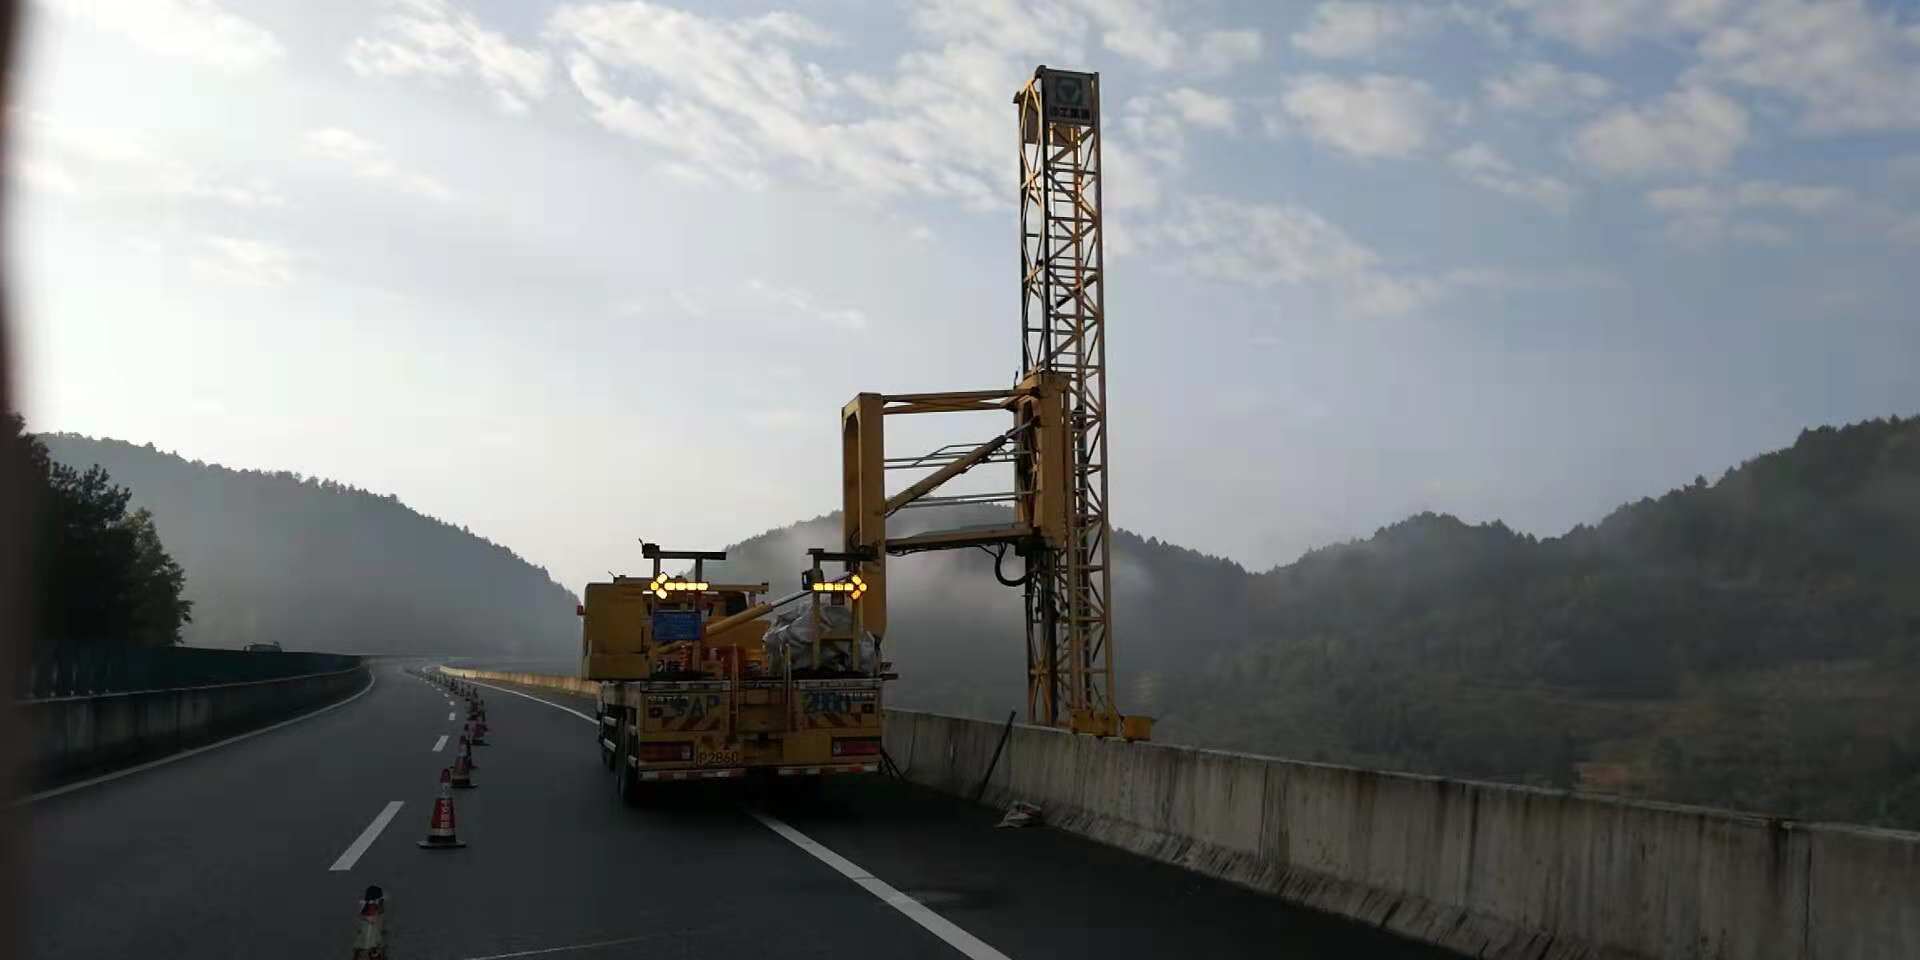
(853, 586)
(662, 585)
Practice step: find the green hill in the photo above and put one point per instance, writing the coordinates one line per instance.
(1752, 642)
(956, 637)
(318, 565)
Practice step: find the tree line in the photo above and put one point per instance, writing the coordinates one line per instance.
(1748, 642)
(101, 577)
(316, 564)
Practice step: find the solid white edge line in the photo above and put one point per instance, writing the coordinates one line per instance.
(535, 699)
(440, 743)
(192, 751)
(969, 945)
(367, 836)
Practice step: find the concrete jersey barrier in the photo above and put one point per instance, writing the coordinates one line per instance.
(1487, 869)
(573, 685)
(75, 737)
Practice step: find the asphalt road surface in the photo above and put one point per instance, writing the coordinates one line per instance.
(256, 849)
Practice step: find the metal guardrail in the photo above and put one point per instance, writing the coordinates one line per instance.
(92, 672)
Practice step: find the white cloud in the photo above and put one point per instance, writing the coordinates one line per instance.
(369, 161)
(428, 38)
(1222, 50)
(196, 30)
(1799, 198)
(1484, 166)
(1003, 26)
(1541, 87)
(1705, 216)
(1373, 116)
(1147, 140)
(1202, 109)
(1136, 29)
(1357, 29)
(1147, 32)
(1603, 26)
(1692, 130)
(1153, 128)
(111, 165)
(1342, 29)
(1759, 233)
(743, 101)
(1265, 245)
(245, 261)
(1849, 66)
(807, 308)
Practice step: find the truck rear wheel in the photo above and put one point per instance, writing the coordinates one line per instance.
(626, 780)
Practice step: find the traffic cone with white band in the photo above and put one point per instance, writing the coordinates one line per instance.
(370, 934)
(440, 830)
(462, 778)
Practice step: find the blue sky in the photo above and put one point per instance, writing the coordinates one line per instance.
(577, 273)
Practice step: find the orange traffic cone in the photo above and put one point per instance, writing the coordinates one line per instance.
(440, 832)
(370, 937)
(462, 778)
(476, 733)
(466, 750)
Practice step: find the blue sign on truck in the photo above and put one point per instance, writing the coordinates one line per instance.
(672, 625)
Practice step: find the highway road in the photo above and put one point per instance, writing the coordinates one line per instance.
(262, 847)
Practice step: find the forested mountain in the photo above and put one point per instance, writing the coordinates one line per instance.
(318, 565)
(102, 580)
(1753, 642)
(957, 638)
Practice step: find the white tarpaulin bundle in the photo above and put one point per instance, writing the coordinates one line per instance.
(793, 632)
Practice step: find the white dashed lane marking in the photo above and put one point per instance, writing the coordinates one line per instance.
(367, 836)
(969, 945)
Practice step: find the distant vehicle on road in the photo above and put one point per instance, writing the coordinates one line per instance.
(268, 647)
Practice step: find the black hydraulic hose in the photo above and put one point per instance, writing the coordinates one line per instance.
(997, 557)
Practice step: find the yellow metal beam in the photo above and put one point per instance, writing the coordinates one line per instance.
(956, 396)
(746, 616)
(955, 539)
(948, 472)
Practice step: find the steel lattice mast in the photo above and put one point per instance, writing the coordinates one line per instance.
(1063, 332)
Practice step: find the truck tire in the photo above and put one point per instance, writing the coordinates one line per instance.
(626, 780)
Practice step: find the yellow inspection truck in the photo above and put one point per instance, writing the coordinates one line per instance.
(697, 685)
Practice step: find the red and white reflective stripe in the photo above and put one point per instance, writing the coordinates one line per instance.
(815, 771)
(692, 774)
